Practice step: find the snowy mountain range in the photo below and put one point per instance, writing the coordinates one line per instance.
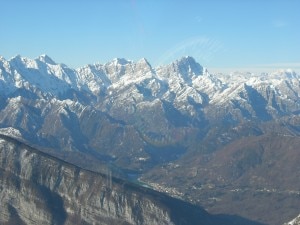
(138, 119)
(182, 97)
(184, 83)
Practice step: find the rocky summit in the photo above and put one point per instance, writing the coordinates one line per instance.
(212, 140)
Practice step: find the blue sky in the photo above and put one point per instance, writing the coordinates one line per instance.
(253, 35)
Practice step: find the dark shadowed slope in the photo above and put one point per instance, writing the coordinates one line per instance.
(257, 176)
(36, 188)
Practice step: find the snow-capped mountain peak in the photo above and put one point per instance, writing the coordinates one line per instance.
(144, 62)
(23, 63)
(284, 74)
(189, 64)
(2, 58)
(46, 59)
(121, 61)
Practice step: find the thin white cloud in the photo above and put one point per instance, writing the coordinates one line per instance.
(198, 19)
(279, 23)
(202, 48)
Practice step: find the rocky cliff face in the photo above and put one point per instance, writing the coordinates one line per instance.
(36, 188)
